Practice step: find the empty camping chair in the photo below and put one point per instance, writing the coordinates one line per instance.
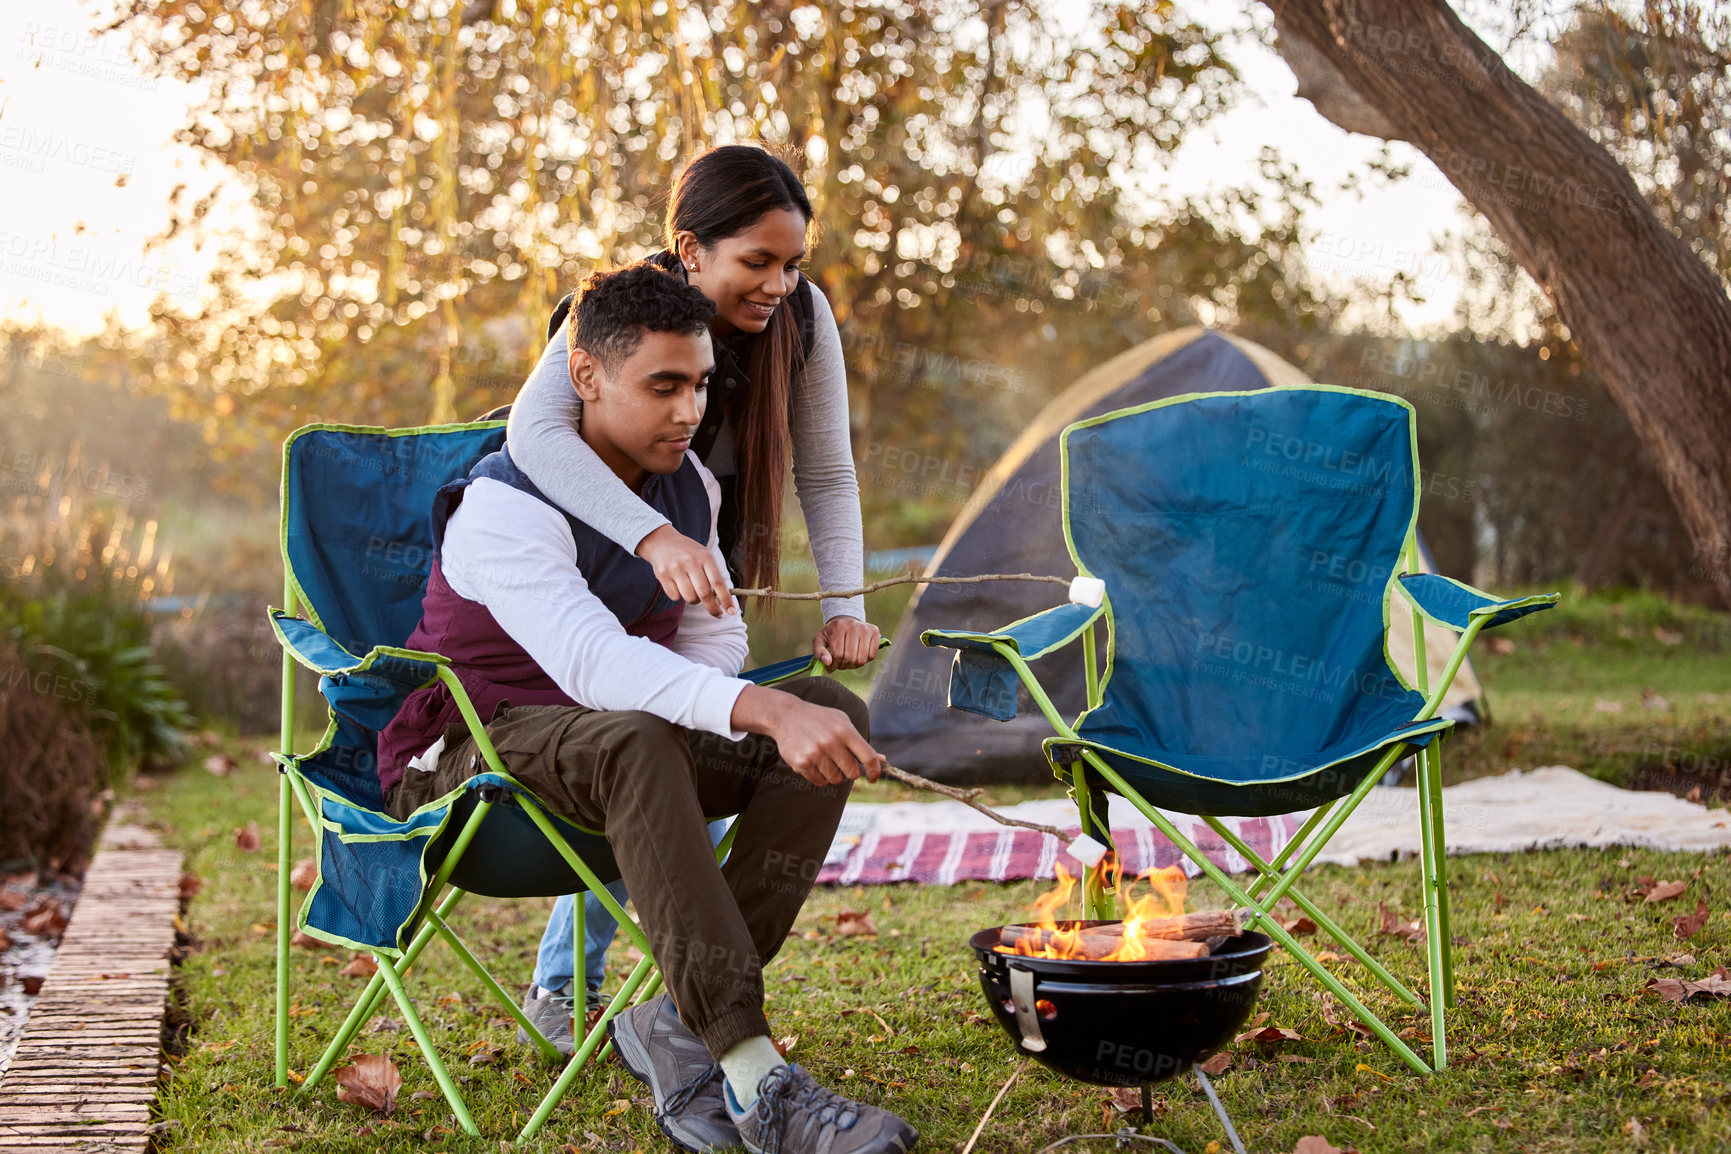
(357, 547)
(1252, 546)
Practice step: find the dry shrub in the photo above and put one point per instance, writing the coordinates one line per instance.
(51, 773)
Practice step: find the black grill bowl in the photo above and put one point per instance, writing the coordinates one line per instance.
(1127, 1023)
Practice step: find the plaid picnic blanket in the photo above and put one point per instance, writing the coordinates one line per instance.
(941, 843)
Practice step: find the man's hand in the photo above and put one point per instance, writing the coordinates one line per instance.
(819, 743)
(845, 643)
(687, 571)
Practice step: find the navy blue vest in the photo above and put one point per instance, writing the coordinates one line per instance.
(493, 668)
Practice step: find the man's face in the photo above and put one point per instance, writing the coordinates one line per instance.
(640, 416)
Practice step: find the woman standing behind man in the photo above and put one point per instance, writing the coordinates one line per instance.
(738, 225)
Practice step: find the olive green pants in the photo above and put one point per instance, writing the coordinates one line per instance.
(652, 787)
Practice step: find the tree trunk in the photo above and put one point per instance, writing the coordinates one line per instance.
(1653, 320)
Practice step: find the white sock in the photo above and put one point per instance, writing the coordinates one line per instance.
(745, 1064)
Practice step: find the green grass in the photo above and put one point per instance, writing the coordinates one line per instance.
(1556, 1046)
(1632, 689)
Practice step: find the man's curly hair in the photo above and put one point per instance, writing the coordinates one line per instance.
(614, 309)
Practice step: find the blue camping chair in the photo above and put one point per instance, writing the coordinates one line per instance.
(357, 547)
(1250, 544)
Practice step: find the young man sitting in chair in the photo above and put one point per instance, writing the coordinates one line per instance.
(623, 713)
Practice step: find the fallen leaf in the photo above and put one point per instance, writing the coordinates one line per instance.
(784, 1046)
(1714, 985)
(1501, 646)
(1651, 699)
(1666, 637)
(219, 765)
(305, 873)
(1345, 1022)
(1664, 891)
(1681, 960)
(1388, 923)
(485, 1053)
(5, 939)
(1218, 1064)
(371, 1080)
(360, 966)
(1371, 1070)
(1686, 927)
(1608, 706)
(854, 923)
(1299, 925)
(1636, 1132)
(13, 900)
(619, 1106)
(307, 941)
(1316, 1144)
(247, 840)
(1124, 1099)
(190, 884)
(1270, 1034)
(32, 984)
(45, 919)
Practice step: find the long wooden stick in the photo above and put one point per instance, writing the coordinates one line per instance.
(907, 579)
(970, 797)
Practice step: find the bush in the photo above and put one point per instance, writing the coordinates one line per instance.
(85, 700)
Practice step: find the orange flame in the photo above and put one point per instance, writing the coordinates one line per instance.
(1167, 891)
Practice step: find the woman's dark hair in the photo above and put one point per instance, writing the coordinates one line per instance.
(721, 193)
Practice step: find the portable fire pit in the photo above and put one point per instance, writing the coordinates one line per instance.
(1120, 1023)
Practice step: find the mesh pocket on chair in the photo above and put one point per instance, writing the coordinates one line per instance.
(367, 889)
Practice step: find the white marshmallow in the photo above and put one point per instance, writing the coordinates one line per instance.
(1089, 591)
(1087, 851)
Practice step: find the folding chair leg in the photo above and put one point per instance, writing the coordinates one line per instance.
(1268, 871)
(1273, 928)
(1435, 751)
(549, 1052)
(413, 1020)
(1093, 889)
(368, 1003)
(284, 867)
(1434, 930)
(591, 1042)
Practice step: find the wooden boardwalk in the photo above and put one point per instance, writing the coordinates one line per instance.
(85, 1072)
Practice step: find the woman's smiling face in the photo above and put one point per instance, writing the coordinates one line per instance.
(748, 274)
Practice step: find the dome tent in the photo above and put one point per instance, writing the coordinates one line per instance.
(1012, 524)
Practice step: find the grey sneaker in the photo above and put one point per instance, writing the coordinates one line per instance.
(552, 1014)
(685, 1080)
(794, 1115)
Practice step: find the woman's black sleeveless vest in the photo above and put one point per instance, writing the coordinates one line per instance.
(727, 385)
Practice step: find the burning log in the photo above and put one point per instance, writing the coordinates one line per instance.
(1094, 943)
(1184, 936)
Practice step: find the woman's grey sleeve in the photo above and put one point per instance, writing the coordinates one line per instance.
(542, 435)
(823, 470)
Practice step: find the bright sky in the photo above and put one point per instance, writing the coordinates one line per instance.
(88, 161)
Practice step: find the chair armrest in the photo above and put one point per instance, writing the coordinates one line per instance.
(983, 681)
(1031, 637)
(792, 667)
(321, 653)
(1457, 605)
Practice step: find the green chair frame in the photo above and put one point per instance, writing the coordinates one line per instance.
(438, 901)
(1276, 879)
